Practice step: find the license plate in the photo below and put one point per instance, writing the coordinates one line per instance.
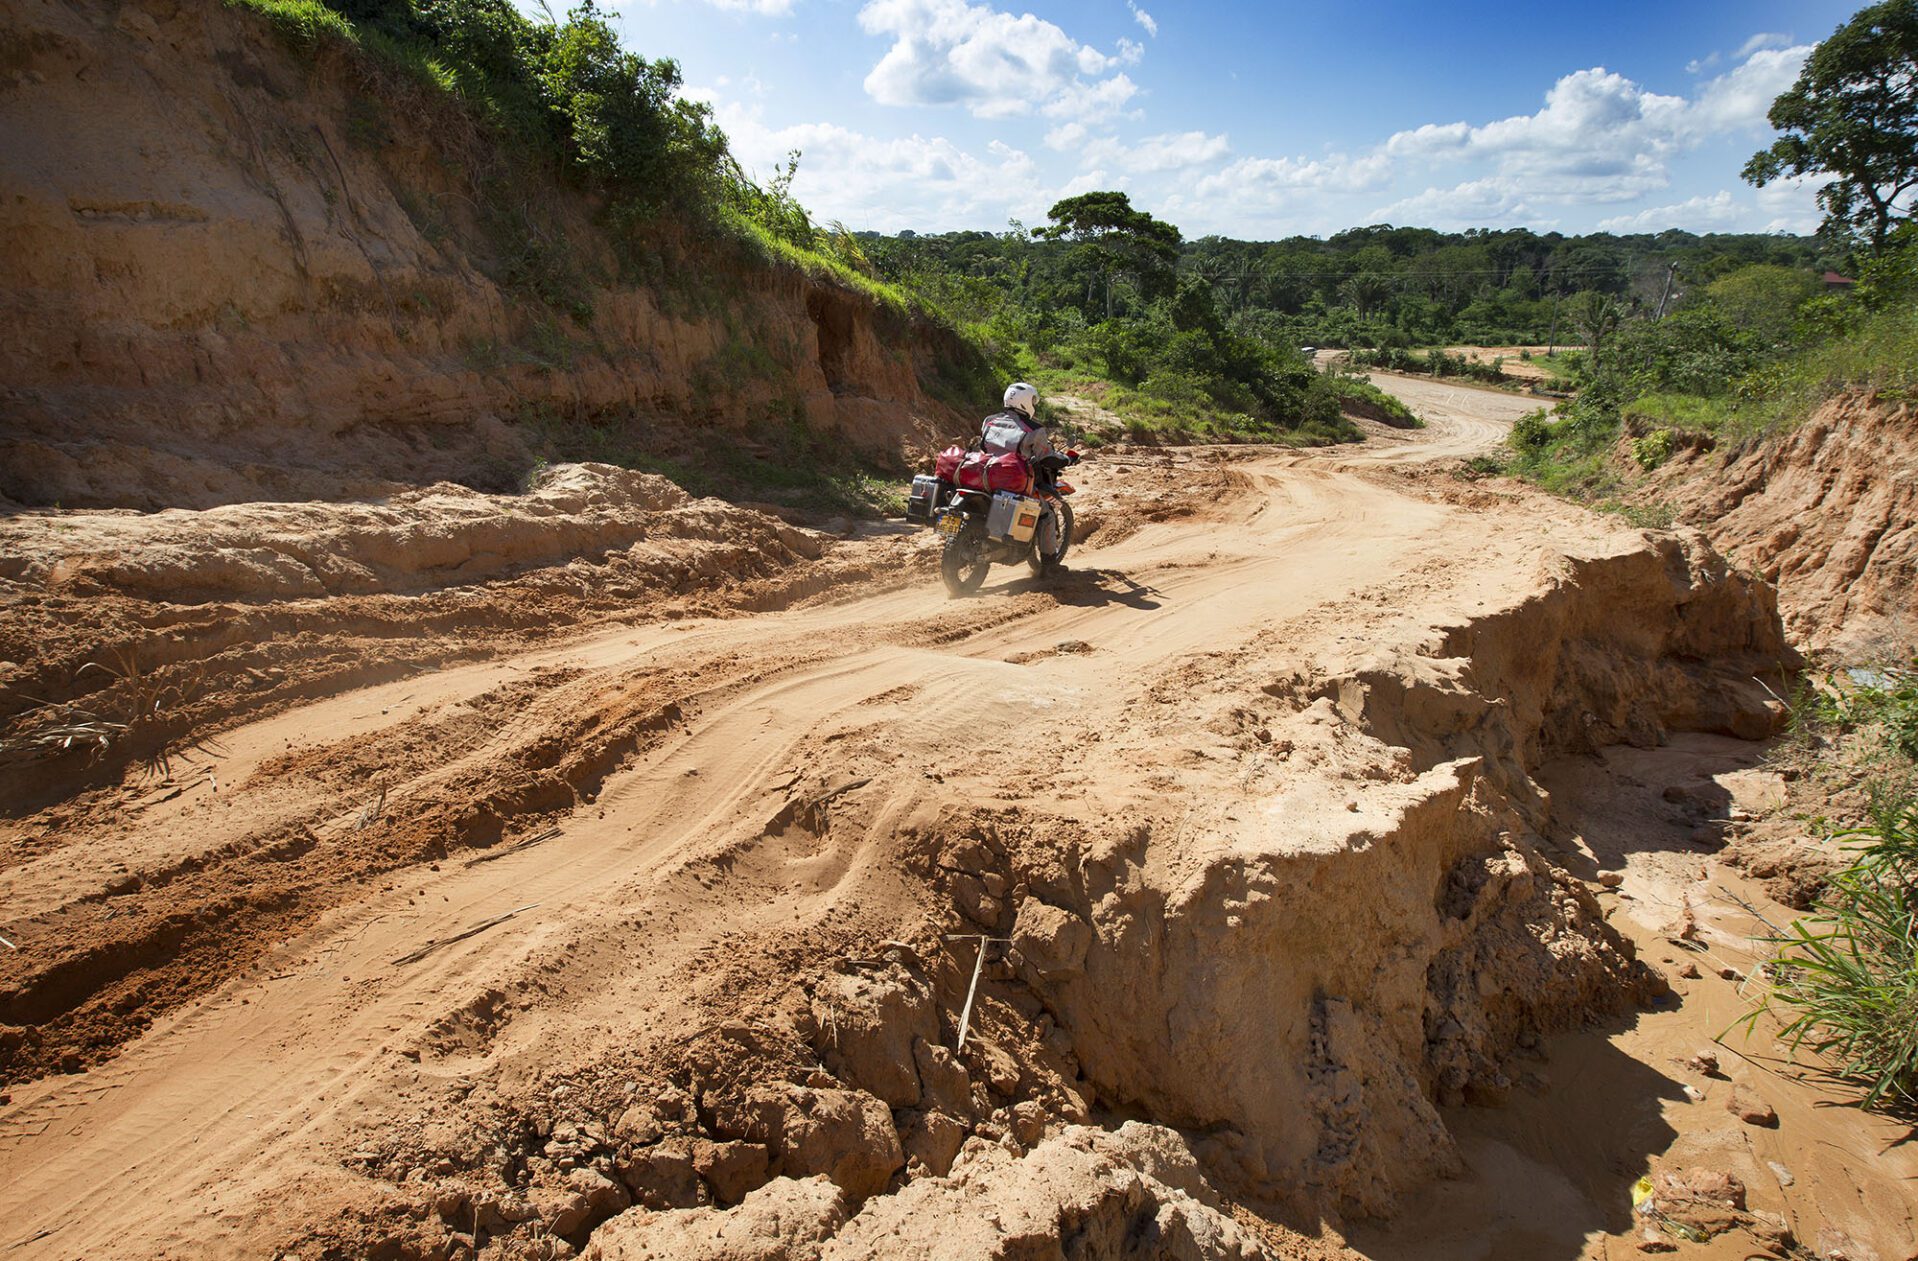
(951, 523)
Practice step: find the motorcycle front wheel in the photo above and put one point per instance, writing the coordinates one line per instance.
(1044, 566)
(963, 563)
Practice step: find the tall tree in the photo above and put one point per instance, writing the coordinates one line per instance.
(1853, 114)
(1112, 237)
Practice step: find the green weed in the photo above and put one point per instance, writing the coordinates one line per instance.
(1845, 978)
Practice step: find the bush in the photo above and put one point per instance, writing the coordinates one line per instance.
(1847, 976)
(1653, 449)
(1530, 432)
(1849, 973)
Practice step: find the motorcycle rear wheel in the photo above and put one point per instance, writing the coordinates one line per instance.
(1047, 566)
(963, 563)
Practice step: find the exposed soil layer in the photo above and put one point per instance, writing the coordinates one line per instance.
(1829, 512)
(230, 275)
(1745, 1150)
(561, 936)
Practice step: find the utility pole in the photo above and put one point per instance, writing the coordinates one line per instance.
(1663, 297)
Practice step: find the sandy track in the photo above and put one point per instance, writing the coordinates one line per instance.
(667, 897)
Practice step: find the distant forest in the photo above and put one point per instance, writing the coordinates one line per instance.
(1365, 287)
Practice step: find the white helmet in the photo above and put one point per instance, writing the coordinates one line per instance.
(1021, 397)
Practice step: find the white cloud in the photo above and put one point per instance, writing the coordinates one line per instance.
(1597, 128)
(1738, 101)
(1256, 194)
(1337, 173)
(1493, 200)
(1144, 19)
(1761, 40)
(1092, 102)
(1600, 136)
(927, 183)
(1172, 151)
(1716, 212)
(1066, 136)
(997, 65)
(1784, 206)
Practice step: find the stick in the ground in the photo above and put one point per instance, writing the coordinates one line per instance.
(474, 931)
(978, 965)
(514, 848)
(9, 945)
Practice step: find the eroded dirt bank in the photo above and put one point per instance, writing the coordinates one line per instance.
(230, 276)
(1829, 513)
(537, 951)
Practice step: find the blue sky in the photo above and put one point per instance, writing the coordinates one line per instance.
(1253, 120)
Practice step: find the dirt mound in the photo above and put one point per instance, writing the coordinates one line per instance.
(233, 277)
(154, 629)
(1134, 1192)
(1829, 512)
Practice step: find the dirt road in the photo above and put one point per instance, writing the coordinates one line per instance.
(378, 930)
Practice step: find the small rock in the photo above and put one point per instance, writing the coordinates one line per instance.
(1729, 973)
(1693, 1093)
(1688, 970)
(1781, 1173)
(933, 1139)
(638, 1125)
(662, 1177)
(868, 1021)
(1611, 879)
(1053, 941)
(602, 1196)
(1649, 1240)
(1717, 1187)
(453, 1206)
(732, 1170)
(1704, 1062)
(1750, 1109)
(1028, 1122)
(1002, 1071)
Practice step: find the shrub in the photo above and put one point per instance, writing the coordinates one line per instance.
(1653, 449)
(1849, 973)
(1531, 432)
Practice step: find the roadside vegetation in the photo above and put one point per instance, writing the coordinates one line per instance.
(1206, 337)
(1739, 352)
(564, 95)
(1844, 980)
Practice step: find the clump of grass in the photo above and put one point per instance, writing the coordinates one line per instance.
(1361, 397)
(62, 730)
(133, 712)
(1655, 515)
(302, 23)
(1846, 977)
(1849, 973)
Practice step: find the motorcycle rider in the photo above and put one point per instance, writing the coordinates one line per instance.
(1017, 428)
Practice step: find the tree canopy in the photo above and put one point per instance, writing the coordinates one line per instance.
(1112, 237)
(1853, 114)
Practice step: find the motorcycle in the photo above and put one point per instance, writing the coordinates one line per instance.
(997, 521)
